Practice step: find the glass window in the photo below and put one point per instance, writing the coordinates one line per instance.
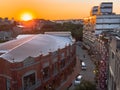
(62, 63)
(8, 84)
(55, 68)
(46, 73)
(63, 55)
(29, 81)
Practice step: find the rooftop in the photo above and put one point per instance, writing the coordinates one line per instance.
(32, 45)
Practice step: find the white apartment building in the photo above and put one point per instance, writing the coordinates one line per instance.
(105, 8)
(102, 18)
(94, 10)
(100, 23)
(106, 23)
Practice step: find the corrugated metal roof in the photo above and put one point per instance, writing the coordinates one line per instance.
(32, 45)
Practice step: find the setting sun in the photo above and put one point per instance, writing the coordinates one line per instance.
(26, 17)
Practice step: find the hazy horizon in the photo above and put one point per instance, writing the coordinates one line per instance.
(52, 9)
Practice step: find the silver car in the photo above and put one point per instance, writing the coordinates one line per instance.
(78, 79)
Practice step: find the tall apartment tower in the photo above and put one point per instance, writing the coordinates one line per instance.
(105, 8)
(94, 11)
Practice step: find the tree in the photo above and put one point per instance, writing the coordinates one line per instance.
(86, 85)
(75, 29)
(48, 26)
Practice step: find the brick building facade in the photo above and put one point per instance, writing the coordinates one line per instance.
(35, 71)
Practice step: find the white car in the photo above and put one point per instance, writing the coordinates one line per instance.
(78, 79)
(83, 66)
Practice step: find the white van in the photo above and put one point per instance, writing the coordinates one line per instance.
(83, 65)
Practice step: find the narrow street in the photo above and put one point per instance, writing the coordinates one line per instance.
(88, 74)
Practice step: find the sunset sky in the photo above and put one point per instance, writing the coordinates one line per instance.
(51, 9)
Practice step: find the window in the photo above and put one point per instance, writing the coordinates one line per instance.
(68, 52)
(55, 68)
(54, 54)
(113, 55)
(63, 55)
(62, 63)
(8, 84)
(46, 73)
(29, 81)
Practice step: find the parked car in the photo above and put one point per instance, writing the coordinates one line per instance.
(83, 65)
(78, 79)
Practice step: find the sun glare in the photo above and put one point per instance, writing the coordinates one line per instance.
(26, 17)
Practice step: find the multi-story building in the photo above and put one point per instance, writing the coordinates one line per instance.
(8, 29)
(36, 62)
(107, 22)
(6, 21)
(100, 23)
(114, 64)
(105, 8)
(96, 28)
(103, 20)
(94, 11)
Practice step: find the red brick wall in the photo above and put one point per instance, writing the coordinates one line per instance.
(17, 70)
(5, 73)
